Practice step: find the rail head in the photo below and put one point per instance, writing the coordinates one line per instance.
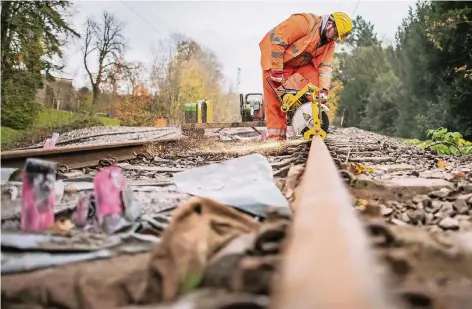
(72, 157)
(328, 262)
(25, 153)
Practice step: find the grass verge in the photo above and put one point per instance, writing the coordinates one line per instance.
(48, 122)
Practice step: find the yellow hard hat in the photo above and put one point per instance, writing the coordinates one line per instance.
(343, 24)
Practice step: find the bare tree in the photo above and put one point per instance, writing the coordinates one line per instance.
(107, 43)
(125, 73)
(133, 73)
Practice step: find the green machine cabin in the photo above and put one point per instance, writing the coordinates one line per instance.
(199, 116)
(201, 112)
(197, 113)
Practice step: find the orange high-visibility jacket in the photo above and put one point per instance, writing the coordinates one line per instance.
(296, 37)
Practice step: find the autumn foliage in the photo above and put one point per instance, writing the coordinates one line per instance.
(335, 93)
(191, 74)
(134, 109)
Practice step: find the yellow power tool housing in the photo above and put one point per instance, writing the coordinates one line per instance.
(294, 93)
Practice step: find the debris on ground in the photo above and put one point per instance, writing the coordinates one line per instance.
(245, 182)
(51, 142)
(38, 198)
(199, 228)
(193, 244)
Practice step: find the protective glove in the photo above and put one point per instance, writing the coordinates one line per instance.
(324, 96)
(277, 76)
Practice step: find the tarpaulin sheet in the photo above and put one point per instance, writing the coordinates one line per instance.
(5, 173)
(246, 183)
(25, 252)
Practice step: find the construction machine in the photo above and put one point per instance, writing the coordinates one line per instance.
(301, 103)
(199, 116)
(197, 113)
(299, 100)
(252, 107)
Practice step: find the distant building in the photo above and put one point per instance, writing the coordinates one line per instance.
(58, 94)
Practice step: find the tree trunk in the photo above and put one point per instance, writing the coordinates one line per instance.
(95, 94)
(5, 29)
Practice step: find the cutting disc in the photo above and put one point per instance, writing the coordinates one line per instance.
(302, 119)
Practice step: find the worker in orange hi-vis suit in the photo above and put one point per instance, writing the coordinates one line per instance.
(303, 43)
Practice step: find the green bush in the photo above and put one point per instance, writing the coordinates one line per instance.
(19, 107)
(33, 136)
(448, 143)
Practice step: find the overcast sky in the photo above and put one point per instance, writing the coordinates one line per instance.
(232, 29)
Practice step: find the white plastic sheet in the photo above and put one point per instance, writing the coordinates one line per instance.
(26, 252)
(6, 173)
(246, 183)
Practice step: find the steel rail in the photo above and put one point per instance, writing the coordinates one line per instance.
(192, 126)
(77, 139)
(81, 156)
(327, 263)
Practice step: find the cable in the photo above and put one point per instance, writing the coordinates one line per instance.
(352, 16)
(355, 8)
(147, 22)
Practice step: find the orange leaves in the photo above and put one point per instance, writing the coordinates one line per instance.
(358, 168)
(361, 204)
(141, 91)
(335, 92)
(134, 110)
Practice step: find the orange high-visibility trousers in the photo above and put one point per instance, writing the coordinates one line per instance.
(275, 118)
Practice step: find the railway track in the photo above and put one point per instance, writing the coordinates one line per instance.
(92, 137)
(91, 150)
(377, 224)
(72, 157)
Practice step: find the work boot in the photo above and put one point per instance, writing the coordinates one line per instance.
(273, 135)
(276, 138)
